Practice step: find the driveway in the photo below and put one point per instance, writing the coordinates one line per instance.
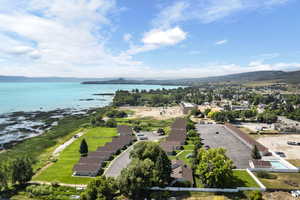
(237, 151)
(121, 162)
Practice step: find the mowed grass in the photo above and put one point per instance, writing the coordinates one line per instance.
(241, 178)
(61, 171)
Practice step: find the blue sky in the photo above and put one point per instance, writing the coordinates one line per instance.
(151, 39)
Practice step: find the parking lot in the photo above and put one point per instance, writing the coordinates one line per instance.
(238, 152)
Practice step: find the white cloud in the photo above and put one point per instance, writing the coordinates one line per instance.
(164, 37)
(66, 38)
(127, 37)
(209, 11)
(221, 42)
(157, 38)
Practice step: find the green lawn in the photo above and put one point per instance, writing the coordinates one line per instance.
(283, 181)
(61, 171)
(182, 156)
(241, 178)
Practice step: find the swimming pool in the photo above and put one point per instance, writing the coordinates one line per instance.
(277, 165)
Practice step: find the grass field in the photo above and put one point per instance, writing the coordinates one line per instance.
(283, 181)
(61, 171)
(241, 178)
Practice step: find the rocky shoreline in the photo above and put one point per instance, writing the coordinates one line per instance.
(18, 126)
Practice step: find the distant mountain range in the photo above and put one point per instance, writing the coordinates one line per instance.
(45, 79)
(288, 77)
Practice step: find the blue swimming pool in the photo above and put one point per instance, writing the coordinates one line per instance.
(278, 165)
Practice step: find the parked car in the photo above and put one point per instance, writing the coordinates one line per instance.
(140, 134)
(143, 138)
(206, 147)
(292, 143)
(295, 193)
(281, 154)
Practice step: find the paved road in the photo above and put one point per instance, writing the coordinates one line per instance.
(121, 162)
(237, 151)
(64, 145)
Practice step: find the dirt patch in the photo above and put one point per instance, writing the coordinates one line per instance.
(279, 143)
(159, 113)
(278, 196)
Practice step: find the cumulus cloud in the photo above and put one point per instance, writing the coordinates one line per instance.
(168, 37)
(60, 38)
(157, 38)
(127, 37)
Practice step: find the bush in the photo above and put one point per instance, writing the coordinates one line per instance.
(266, 175)
(111, 123)
(255, 195)
(182, 184)
(39, 190)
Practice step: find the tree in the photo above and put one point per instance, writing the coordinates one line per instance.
(214, 167)
(111, 123)
(4, 175)
(101, 188)
(153, 152)
(255, 153)
(22, 171)
(84, 149)
(192, 133)
(97, 121)
(137, 178)
(163, 169)
(206, 111)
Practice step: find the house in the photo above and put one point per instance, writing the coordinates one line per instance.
(92, 164)
(181, 172)
(260, 164)
(186, 108)
(170, 146)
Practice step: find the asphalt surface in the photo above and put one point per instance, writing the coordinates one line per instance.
(123, 160)
(238, 152)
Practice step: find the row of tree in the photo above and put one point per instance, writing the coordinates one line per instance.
(17, 171)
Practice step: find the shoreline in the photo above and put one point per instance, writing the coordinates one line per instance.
(16, 127)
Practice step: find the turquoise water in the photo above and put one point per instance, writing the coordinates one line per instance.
(277, 165)
(49, 96)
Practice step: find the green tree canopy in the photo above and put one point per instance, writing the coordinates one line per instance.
(153, 152)
(101, 188)
(255, 153)
(83, 148)
(22, 171)
(136, 178)
(214, 167)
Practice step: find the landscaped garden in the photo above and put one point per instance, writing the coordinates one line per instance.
(61, 170)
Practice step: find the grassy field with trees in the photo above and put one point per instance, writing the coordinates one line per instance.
(61, 170)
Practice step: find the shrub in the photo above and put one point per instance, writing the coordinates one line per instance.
(255, 195)
(266, 175)
(111, 123)
(39, 190)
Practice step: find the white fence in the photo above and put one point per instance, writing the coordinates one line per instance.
(261, 187)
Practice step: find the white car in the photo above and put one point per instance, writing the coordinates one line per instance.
(295, 193)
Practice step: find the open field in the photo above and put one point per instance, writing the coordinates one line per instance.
(283, 181)
(159, 113)
(279, 143)
(61, 171)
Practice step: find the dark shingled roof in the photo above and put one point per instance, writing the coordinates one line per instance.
(124, 130)
(170, 146)
(247, 138)
(92, 168)
(179, 123)
(181, 171)
(261, 164)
